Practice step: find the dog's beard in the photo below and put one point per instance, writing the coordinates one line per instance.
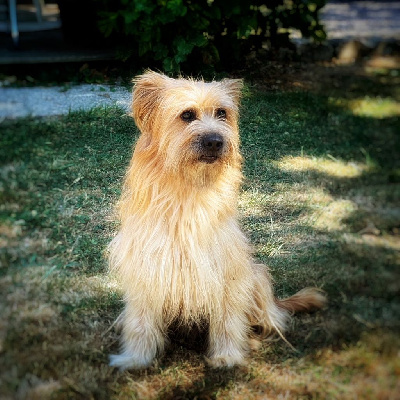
(199, 150)
(196, 167)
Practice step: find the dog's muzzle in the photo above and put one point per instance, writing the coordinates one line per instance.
(212, 147)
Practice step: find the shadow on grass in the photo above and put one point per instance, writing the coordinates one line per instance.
(358, 271)
(286, 138)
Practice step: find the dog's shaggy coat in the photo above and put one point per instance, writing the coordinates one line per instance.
(180, 254)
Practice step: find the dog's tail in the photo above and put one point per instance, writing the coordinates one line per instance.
(307, 299)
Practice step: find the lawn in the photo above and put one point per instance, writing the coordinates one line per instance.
(320, 202)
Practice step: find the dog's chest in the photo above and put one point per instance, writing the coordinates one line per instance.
(192, 268)
(192, 247)
(183, 254)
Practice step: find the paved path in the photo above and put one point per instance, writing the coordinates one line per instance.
(369, 21)
(39, 101)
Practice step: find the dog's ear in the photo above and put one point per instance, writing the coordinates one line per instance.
(234, 88)
(147, 95)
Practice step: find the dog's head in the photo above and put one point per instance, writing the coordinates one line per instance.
(187, 122)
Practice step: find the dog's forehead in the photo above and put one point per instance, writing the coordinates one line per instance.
(199, 94)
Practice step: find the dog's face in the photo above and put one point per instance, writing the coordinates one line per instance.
(187, 122)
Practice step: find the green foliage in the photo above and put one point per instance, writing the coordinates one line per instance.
(174, 32)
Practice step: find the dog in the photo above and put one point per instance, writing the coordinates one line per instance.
(180, 254)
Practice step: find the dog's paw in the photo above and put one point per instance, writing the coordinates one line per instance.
(124, 361)
(225, 361)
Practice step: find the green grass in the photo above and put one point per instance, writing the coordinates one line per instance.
(320, 203)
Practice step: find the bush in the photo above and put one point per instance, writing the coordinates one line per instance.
(175, 32)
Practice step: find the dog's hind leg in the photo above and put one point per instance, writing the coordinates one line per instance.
(228, 341)
(142, 339)
(229, 327)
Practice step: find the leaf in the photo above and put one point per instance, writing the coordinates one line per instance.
(183, 46)
(177, 7)
(160, 51)
(144, 47)
(129, 17)
(179, 58)
(168, 64)
(200, 40)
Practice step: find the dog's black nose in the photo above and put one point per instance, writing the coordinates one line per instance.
(213, 142)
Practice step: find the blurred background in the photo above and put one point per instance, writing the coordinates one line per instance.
(199, 36)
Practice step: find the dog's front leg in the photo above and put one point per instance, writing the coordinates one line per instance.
(228, 341)
(142, 338)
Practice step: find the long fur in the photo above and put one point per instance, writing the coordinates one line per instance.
(180, 254)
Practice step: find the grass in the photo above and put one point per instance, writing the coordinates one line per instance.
(320, 203)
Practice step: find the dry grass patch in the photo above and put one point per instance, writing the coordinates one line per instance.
(328, 166)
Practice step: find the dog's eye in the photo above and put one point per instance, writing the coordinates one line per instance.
(188, 116)
(220, 113)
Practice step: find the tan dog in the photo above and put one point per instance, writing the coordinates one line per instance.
(180, 254)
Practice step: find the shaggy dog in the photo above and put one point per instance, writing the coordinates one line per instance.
(180, 255)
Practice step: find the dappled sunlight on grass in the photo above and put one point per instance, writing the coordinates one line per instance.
(331, 166)
(88, 287)
(331, 217)
(253, 202)
(289, 197)
(33, 295)
(373, 107)
(286, 220)
(373, 241)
